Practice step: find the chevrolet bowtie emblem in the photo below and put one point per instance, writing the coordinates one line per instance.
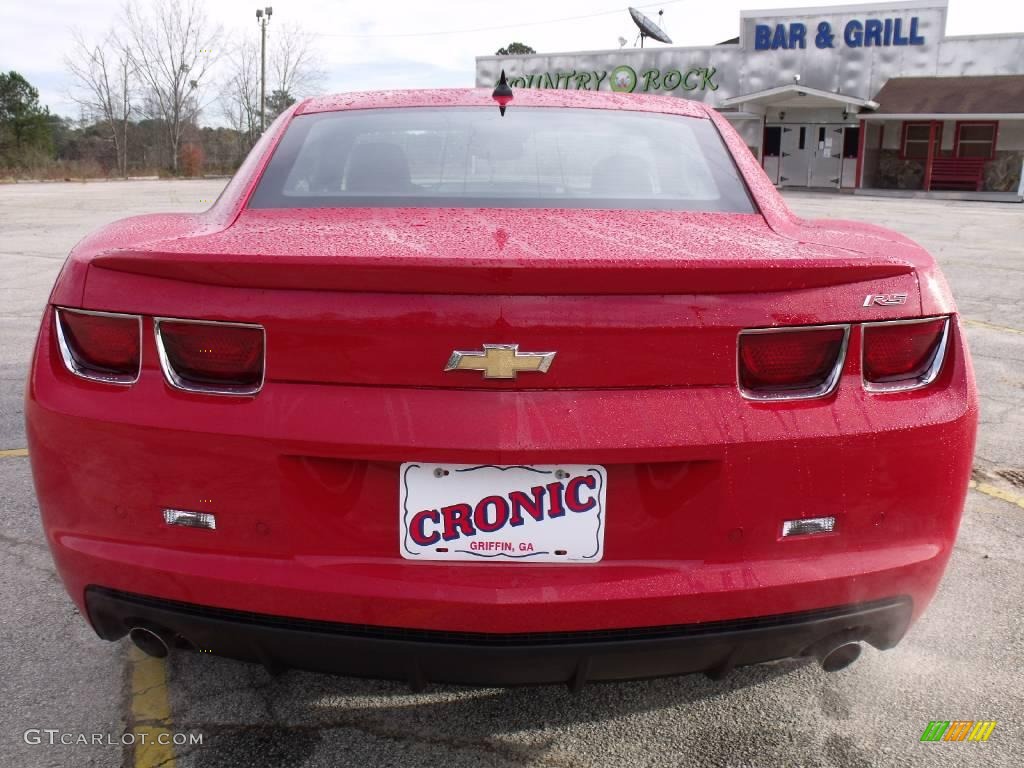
(500, 361)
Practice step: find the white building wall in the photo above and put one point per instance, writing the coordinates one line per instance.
(741, 69)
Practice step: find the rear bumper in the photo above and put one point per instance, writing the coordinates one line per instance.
(424, 656)
(304, 482)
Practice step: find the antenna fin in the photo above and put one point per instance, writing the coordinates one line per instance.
(502, 93)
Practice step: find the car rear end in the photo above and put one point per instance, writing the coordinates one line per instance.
(241, 452)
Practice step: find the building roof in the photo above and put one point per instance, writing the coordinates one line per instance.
(796, 95)
(989, 94)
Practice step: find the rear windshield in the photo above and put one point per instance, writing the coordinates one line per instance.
(470, 157)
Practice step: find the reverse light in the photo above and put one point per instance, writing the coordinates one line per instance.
(211, 357)
(101, 346)
(189, 519)
(808, 525)
(791, 363)
(900, 355)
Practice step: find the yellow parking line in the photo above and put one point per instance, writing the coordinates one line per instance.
(11, 452)
(151, 711)
(992, 326)
(997, 493)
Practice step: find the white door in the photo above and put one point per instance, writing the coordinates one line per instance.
(827, 161)
(796, 149)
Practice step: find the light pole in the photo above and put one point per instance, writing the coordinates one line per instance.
(263, 18)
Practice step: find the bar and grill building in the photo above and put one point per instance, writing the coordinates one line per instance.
(857, 97)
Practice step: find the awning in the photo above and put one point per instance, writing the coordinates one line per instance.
(990, 97)
(794, 95)
(739, 114)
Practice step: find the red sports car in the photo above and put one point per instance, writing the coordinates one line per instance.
(558, 392)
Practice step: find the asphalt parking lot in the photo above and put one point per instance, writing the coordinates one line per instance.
(963, 661)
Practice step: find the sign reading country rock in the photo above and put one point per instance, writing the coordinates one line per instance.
(624, 79)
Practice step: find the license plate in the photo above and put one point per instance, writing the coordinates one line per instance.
(545, 513)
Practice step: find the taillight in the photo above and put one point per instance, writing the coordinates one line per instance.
(791, 363)
(211, 357)
(102, 346)
(903, 354)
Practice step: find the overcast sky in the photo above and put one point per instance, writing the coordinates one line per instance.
(419, 43)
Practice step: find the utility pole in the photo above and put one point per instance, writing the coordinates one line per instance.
(263, 18)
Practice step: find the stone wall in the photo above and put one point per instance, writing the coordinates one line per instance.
(894, 173)
(1002, 174)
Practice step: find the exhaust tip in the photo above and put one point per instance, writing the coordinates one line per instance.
(840, 657)
(149, 642)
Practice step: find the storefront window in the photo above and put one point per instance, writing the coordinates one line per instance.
(976, 140)
(915, 140)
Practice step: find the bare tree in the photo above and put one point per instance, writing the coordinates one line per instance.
(294, 71)
(240, 95)
(103, 76)
(174, 47)
(295, 62)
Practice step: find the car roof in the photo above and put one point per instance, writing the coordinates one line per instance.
(481, 97)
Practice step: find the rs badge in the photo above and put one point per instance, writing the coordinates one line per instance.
(885, 299)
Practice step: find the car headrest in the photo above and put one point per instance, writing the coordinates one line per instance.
(378, 168)
(622, 176)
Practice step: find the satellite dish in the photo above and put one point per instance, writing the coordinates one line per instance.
(648, 28)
